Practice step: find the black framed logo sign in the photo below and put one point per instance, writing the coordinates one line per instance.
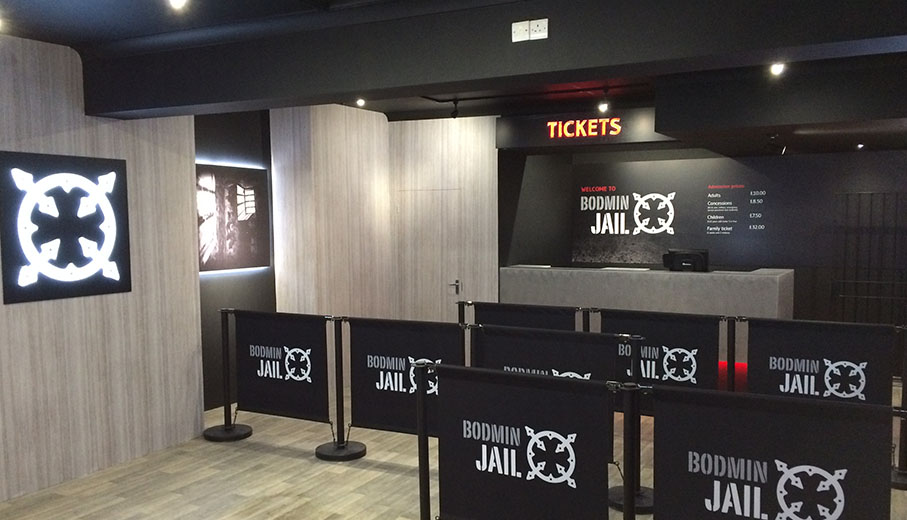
(64, 226)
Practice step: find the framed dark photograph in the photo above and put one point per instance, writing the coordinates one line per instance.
(64, 226)
(234, 224)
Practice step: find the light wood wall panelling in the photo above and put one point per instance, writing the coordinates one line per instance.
(375, 219)
(333, 241)
(293, 187)
(89, 382)
(445, 197)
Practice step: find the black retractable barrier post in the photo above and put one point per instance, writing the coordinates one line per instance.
(421, 368)
(899, 473)
(731, 351)
(461, 319)
(632, 494)
(227, 432)
(340, 449)
(631, 449)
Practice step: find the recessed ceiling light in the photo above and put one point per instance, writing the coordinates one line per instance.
(360, 102)
(603, 107)
(178, 4)
(777, 69)
(860, 146)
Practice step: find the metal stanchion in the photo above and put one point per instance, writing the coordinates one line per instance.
(228, 432)
(899, 472)
(731, 352)
(631, 449)
(341, 449)
(586, 320)
(421, 368)
(461, 319)
(632, 494)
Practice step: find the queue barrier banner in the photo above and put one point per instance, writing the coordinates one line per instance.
(522, 446)
(281, 363)
(530, 316)
(677, 349)
(769, 458)
(578, 355)
(382, 379)
(821, 360)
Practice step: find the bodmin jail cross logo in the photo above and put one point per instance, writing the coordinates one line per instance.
(40, 256)
(654, 213)
(679, 364)
(549, 455)
(283, 364)
(845, 369)
(545, 470)
(432, 378)
(792, 479)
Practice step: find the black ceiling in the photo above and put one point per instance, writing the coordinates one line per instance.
(111, 31)
(111, 27)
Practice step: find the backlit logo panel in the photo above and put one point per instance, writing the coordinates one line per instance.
(64, 227)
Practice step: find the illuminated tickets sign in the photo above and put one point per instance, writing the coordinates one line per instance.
(63, 226)
(573, 128)
(628, 126)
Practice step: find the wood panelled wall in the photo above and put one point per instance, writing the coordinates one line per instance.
(90, 382)
(332, 233)
(446, 218)
(375, 219)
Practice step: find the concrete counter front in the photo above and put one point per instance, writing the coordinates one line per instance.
(763, 293)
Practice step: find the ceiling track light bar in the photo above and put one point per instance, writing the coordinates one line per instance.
(593, 91)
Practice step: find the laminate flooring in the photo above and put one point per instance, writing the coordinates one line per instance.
(272, 475)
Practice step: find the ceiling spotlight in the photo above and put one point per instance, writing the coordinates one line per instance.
(776, 69)
(860, 146)
(456, 111)
(178, 4)
(360, 102)
(603, 102)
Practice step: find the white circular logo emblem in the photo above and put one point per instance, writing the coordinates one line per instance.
(432, 377)
(40, 256)
(790, 477)
(662, 213)
(571, 375)
(539, 457)
(837, 370)
(297, 363)
(679, 364)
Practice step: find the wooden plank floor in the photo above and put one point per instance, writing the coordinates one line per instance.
(272, 475)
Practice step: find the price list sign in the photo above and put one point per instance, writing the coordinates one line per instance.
(734, 208)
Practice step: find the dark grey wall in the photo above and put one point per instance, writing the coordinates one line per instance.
(243, 139)
(825, 222)
(540, 199)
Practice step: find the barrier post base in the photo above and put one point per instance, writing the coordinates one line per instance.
(645, 500)
(332, 451)
(222, 433)
(898, 479)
